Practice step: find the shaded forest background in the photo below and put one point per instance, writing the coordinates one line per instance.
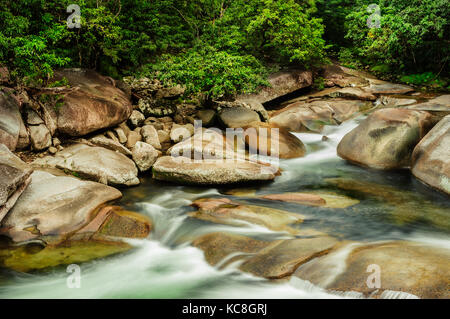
(225, 47)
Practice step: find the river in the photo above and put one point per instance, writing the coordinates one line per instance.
(392, 206)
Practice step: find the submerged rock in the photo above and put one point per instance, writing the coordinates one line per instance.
(386, 138)
(14, 178)
(407, 267)
(224, 211)
(95, 163)
(283, 257)
(431, 157)
(182, 170)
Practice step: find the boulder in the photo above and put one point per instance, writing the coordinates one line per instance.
(382, 87)
(313, 115)
(225, 211)
(406, 267)
(278, 142)
(10, 120)
(238, 117)
(439, 106)
(54, 206)
(144, 155)
(211, 172)
(335, 75)
(150, 136)
(207, 117)
(281, 83)
(92, 104)
(40, 137)
(347, 92)
(14, 178)
(94, 163)
(431, 157)
(386, 138)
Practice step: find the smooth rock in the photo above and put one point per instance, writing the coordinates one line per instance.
(238, 117)
(386, 138)
(14, 178)
(211, 172)
(431, 157)
(10, 120)
(225, 211)
(150, 136)
(94, 163)
(40, 137)
(102, 141)
(281, 83)
(132, 138)
(93, 104)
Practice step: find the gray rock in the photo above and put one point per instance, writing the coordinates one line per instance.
(144, 155)
(54, 206)
(150, 136)
(94, 163)
(210, 172)
(207, 117)
(14, 178)
(237, 117)
(40, 137)
(133, 138)
(33, 118)
(121, 135)
(10, 120)
(136, 119)
(431, 157)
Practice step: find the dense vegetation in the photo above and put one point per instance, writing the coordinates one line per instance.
(222, 47)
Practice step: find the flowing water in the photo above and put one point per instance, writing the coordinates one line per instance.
(392, 205)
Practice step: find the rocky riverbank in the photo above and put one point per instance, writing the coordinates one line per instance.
(66, 153)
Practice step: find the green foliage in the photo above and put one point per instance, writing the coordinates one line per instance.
(413, 35)
(217, 73)
(426, 78)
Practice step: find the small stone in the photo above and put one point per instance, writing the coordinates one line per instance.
(150, 136)
(40, 137)
(112, 136)
(56, 142)
(144, 155)
(52, 150)
(121, 134)
(133, 138)
(163, 136)
(136, 119)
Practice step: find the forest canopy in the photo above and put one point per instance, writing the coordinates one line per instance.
(223, 47)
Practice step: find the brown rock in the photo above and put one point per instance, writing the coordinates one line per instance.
(386, 139)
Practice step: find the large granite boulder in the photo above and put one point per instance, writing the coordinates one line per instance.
(281, 83)
(431, 157)
(183, 170)
(238, 117)
(94, 163)
(313, 115)
(386, 138)
(10, 120)
(93, 103)
(14, 178)
(54, 206)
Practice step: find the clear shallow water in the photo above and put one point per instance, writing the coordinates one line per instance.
(392, 205)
